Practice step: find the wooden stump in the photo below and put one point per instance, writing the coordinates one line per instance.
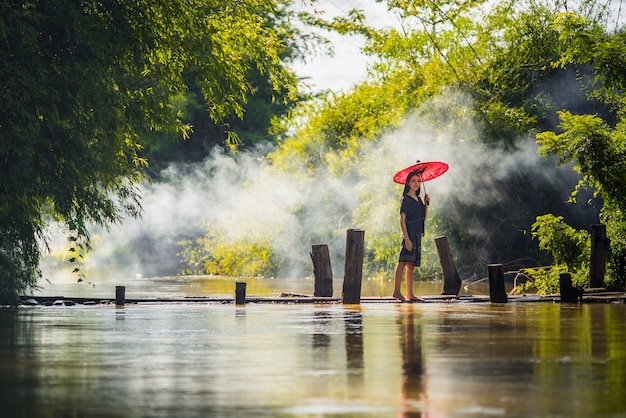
(569, 294)
(354, 266)
(240, 293)
(599, 252)
(451, 279)
(496, 284)
(322, 271)
(120, 295)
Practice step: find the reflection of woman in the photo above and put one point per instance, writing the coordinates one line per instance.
(413, 380)
(413, 213)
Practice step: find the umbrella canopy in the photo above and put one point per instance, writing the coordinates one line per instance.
(427, 171)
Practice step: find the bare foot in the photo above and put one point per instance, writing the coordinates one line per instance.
(414, 298)
(399, 296)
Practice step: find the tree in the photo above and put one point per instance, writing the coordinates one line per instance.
(482, 78)
(492, 64)
(596, 143)
(258, 113)
(82, 83)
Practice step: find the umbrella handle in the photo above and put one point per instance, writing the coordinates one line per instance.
(423, 183)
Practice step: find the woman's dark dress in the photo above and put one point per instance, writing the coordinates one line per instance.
(415, 212)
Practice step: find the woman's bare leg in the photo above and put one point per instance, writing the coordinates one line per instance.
(410, 267)
(397, 280)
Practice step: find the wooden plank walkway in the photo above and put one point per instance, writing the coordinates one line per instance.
(589, 296)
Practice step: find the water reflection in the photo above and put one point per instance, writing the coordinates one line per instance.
(410, 360)
(321, 333)
(210, 286)
(353, 322)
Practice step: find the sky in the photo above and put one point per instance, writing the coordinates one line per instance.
(347, 66)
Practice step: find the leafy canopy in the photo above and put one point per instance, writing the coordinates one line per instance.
(81, 83)
(596, 143)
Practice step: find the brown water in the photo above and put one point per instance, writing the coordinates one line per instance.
(181, 286)
(262, 360)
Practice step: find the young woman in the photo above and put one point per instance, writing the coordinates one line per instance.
(413, 213)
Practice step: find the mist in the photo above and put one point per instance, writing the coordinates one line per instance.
(245, 197)
(476, 192)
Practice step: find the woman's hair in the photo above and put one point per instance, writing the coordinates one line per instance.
(408, 182)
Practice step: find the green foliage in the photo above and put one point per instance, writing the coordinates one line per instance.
(237, 132)
(500, 58)
(214, 254)
(504, 66)
(568, 246)
(569, 249)
(598, 153)
(339, 126)
(217, 54)
(83, 83)
(596, 143)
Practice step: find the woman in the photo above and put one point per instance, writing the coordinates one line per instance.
(413, 213)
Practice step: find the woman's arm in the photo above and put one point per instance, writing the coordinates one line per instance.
(408, 244)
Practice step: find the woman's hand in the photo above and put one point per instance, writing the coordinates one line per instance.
(408, 244)
(427, 199)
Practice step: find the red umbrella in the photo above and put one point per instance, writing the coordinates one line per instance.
(427, 171)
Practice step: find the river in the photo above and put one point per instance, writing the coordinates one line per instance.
(519, 359)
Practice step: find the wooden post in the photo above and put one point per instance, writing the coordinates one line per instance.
(322, 271)
(354, 266)
(599, 252)
(240, 293)
(569, 294)
(451, 279)
(120, 295)
(496, 284)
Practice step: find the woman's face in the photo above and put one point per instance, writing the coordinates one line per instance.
(415, 183)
